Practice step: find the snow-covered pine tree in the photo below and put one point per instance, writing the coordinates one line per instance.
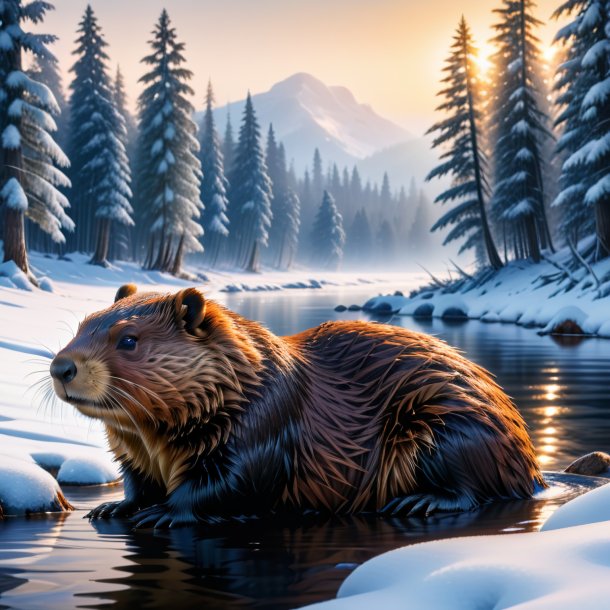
(228, 146)
(289, 219)
(464, 159)
(286, 208)
(131, 127)
(122, 243)
(386, 193)
(29, 157)
(317, 177)
(45, 70)
(249, 194)
(359, 240)
(519, 125)
(584, 97)
(213, 185)
(386, 243)
(169, 170)
(328, 236)
(100, 170)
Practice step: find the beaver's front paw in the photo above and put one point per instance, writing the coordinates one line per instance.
(124, 508)
(162, 516)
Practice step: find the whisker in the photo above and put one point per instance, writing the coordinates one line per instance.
(122, 394)
(137, 385)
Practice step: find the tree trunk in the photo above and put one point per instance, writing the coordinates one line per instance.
(102, 242)
(490, 247)
(177, 266)
(253, 264)
(14, 239)
(602, 225)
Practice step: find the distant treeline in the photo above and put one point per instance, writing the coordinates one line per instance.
(159, 187)
(528, 153)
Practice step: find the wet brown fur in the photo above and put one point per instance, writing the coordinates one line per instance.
(343, 417)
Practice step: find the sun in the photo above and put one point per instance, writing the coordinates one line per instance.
(482, 59)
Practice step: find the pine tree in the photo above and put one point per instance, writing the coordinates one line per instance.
(277, 174)
(120, 101)
(354, 199)
(386, 192)
(228, 146)
(464, 160)
(584, 95)
(169, 171)
(122, 237)
(520, 131)
(100, 169)
(359, 241)
(213, 185)
(250, 194)
(386, 243)
(328, 236)
(317, 177)
(286, 207)
(29, 157)
(45, 70)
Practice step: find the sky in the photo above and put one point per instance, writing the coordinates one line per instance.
(389, 53)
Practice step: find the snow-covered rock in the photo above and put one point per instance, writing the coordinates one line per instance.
(87, 471)
(26, 488)
(568, 320)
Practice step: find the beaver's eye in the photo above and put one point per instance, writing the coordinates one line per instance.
(128, 342)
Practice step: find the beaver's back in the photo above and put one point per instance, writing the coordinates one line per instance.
(388, 411)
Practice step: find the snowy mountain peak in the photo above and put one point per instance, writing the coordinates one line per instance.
(307, 114)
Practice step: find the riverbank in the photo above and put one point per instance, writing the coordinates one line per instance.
(550, 295)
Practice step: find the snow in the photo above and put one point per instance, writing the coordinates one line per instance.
(523, 293)
(87, 471)
(11, 138)
(14, 277)
(592, 507)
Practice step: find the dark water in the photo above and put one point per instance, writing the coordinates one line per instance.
(63, 561)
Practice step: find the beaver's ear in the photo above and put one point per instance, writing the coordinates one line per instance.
(126, 290)
(190, 307)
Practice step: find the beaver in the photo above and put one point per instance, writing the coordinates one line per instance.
(211, 416)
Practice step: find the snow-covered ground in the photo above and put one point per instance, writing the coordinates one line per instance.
(562, 567)
(540, 295)
(37, 431)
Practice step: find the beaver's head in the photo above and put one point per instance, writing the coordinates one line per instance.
(152, 360)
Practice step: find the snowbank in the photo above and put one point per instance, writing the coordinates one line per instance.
(538, 295)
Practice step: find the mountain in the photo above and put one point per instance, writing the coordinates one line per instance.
(307, 114)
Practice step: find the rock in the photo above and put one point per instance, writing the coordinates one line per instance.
(424, 311)
(354, 308)
(454, 313)
(567, 327)
(383, 307)
(593, 464)
(340, 308)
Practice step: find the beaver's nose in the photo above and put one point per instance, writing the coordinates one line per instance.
(63, 369)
